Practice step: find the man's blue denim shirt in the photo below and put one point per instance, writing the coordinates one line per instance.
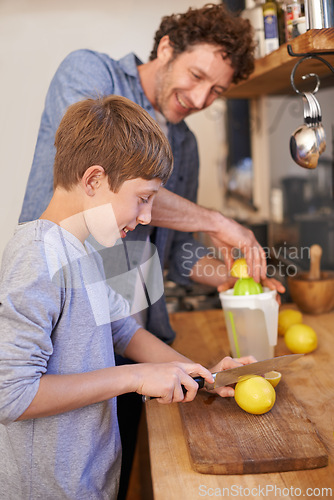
(86, 74)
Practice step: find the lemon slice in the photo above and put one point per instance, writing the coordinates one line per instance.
(239, 269)
(273, 377)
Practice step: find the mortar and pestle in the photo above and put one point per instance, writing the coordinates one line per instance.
(313, 291)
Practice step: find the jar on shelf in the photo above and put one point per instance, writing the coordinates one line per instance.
(293, 11)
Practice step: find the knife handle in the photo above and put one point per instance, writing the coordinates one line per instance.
(199, 380)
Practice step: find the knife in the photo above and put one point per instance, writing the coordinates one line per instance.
(227, 377)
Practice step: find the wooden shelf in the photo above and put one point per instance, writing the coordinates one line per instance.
(272, 72)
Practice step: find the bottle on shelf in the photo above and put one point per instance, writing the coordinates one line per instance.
(271, 41)
(253, 12)
(281, 17)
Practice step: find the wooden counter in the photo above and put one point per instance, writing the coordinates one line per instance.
(202, 336)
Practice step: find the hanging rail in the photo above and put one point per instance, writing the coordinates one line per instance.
(305, 56)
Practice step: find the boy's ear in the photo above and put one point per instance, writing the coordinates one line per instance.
(92, 179)
(165, 50)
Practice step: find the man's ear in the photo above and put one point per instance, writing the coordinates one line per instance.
(165, 50)
(92, 179)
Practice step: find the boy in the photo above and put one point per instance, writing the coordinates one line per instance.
(61, 323)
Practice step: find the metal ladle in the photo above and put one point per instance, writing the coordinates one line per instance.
(304, 146)
(319, 129)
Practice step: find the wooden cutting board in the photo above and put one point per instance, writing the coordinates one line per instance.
(223, 439)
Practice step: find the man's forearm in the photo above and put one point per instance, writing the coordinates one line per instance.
(172, 211)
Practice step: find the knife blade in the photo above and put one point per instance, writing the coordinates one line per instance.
(227, 377)
(232, 375)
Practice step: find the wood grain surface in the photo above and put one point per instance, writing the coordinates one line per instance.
(224, 439)
(202, 336)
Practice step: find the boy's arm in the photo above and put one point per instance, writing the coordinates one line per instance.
(62, 393)
(160, 373)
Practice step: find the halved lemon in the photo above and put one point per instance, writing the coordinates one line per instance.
(247, 286)
(273, 377)
(239, 269)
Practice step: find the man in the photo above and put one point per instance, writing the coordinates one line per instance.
(196, 56)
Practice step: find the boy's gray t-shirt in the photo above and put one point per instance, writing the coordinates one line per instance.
(57, 316)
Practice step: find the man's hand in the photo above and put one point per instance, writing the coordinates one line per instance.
(228, 235)
(271, 283)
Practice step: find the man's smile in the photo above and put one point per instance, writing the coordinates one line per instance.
(181, 102)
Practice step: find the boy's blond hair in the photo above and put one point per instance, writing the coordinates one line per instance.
(112, 132)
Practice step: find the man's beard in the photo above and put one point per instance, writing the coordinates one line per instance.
(163, 84)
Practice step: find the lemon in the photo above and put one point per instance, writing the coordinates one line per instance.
(255, 395)
(273, 377)
(239, 269)
(287, 318)
(301, 339)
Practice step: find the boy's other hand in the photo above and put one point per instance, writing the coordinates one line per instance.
(226, 364)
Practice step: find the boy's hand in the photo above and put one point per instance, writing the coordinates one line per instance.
(164, 380)
(225, 364)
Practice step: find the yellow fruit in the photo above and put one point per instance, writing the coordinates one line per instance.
(239, 269)
(301, 339)
(255, 395)
(273, 377)
(287, 318)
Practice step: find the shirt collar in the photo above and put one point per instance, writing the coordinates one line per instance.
(129, 65)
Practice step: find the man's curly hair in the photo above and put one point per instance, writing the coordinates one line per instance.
(215, 25)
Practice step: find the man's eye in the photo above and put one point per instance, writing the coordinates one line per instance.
(197, 77)
(217, 92)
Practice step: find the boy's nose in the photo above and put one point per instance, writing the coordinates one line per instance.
(145, 215)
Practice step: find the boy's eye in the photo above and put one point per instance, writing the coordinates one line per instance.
(144, 200)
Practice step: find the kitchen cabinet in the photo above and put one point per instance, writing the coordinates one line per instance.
(202, 336)
(272, 72)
